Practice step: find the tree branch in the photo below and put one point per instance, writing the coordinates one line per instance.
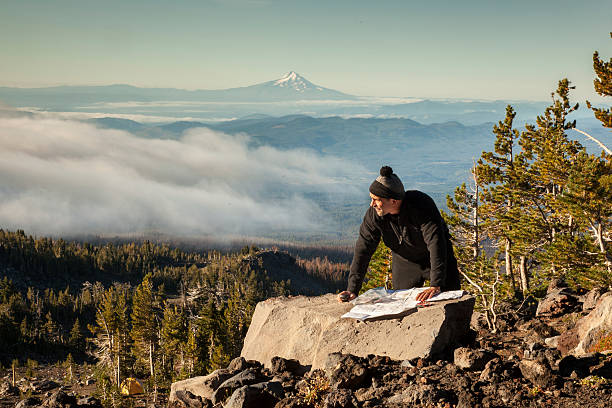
(603, 146)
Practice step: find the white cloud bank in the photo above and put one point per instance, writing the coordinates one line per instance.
(66, 177)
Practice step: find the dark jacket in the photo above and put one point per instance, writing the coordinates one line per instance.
(418, 233)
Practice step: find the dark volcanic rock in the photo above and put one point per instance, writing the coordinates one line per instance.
(556, 303)
(466, 400)
(283, 365)
(59, 399)
(265, 394)
(474, 360)
(538, 372)
(90, 401)
(44, 385)
(345, 370)
(538, 329)
(419, 395)
(246, 377)
(238, 364)
(186, 399)
(583, 366)
(340, 398)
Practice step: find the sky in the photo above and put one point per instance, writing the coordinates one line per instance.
(486, 49)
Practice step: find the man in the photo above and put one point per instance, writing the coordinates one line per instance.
(411, 226)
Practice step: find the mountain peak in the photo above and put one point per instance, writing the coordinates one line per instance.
(294, 80)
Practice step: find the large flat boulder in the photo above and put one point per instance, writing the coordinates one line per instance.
(309, 328)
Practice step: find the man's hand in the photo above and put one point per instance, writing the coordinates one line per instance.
(346, 296)
(428, 293)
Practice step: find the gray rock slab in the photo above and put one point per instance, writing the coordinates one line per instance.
(309, 328)
(203, 386)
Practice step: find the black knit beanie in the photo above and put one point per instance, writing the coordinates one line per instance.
(387, 185)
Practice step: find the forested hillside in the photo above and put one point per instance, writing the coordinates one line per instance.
(142, 310)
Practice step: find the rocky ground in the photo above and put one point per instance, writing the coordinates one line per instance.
(42, 382)
(521, 365)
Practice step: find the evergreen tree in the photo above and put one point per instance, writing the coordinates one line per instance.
(603, 86)
(379, 270)
(51, 329)
(547, 227)
(76, 339)
(111, 330)
(174, 336)
(501, 173)
(144, 324)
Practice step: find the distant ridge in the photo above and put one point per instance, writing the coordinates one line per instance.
(290, 87)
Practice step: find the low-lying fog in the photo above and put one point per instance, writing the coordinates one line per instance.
(65, 177)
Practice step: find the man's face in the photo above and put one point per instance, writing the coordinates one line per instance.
(383, 206)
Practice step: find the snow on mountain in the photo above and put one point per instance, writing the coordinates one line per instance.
(294, 86)
(295, 81)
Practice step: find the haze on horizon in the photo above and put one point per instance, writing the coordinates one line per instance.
(440, 49)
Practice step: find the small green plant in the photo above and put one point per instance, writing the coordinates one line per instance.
(593, 381)
(535, 391)
(311, 392)
(31, 365)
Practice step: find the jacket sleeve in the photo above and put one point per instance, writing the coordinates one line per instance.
(369, 237)
(434, 235)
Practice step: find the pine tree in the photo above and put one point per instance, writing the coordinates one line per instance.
(603, 86)
(211, 339)
(379, 270)
(144, 324)
(547, 228)
(111, 330)
(501, 173)
(174, 336)
(51, 328)
(76, 339)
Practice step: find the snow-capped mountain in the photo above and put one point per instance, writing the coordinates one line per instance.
(295, 81)
(291, 86)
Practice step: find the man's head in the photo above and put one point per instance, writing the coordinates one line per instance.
(384, 206)
(386, 192)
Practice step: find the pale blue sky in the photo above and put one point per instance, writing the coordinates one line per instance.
(473, 48)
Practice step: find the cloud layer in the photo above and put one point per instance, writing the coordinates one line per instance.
(67, 177)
